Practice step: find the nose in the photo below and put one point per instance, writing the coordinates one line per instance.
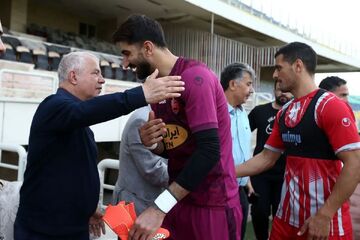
(275, 75)
(2, 46)
(102, 80)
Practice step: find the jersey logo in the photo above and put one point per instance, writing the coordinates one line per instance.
(346, 122)
(268, 129)
(198, 80)
(175, 136)
(291, 138)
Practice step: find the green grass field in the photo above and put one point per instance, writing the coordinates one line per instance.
(249, 234)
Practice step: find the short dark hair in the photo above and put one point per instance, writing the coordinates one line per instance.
(302, 51)
(331, 83)
(139, 28)
(235, 71)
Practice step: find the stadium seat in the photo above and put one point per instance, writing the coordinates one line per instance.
(61, 50)
(41, 60)
(118, 71)
(24, 54)
(12, 41)
(130, 75)
(106, 70)
(9, 53)
(54, 60)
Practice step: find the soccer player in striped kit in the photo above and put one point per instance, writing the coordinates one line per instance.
(318, 134)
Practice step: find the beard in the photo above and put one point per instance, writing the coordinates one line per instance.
(143, 70)
(280, 100)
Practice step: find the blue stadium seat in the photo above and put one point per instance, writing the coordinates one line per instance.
(118, 71)
(24, 54)
(106, 70)
(41, 60)
(9, 54)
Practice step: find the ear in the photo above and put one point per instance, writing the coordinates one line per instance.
(299, 65)
(232, 84)
(149, 48)
(72, 78)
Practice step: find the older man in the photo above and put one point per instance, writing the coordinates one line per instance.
(236, 80)
(60, 192)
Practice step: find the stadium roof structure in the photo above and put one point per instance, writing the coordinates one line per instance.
(229, 18)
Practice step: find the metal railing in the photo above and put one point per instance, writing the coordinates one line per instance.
(20, 150)
(104, 164)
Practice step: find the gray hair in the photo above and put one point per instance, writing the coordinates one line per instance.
(235, 71)
(73, 61)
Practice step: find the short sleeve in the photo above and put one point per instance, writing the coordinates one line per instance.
(337, 120)
(200, 98)
(274, 141)
(252, 119)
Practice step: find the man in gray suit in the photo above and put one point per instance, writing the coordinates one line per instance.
(142, 174)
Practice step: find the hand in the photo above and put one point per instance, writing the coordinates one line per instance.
(317, 226)
(96, 224)
(147, 224)
(250, 189)
(158, 89)
(151, 132)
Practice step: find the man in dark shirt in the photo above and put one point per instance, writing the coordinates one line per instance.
(267, 184)
(60, 193)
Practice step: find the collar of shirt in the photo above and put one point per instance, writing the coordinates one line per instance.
(234, 110)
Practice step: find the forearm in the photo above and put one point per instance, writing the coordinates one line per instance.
(178, 191)
(259, 163)
(201, 161)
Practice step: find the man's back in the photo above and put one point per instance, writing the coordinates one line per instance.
(142, 174)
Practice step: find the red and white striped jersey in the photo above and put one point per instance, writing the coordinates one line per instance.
(309, 175)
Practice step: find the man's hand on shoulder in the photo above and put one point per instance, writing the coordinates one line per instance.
(158, 89)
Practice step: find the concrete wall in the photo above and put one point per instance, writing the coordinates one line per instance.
(55, 17)
(5, 11)
(18, 15)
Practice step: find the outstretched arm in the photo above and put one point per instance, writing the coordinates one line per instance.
(158, 89)
(257, 164)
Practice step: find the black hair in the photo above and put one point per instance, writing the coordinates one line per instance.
(139, 28)
(235, 71)
(302, 51)
(331, 83)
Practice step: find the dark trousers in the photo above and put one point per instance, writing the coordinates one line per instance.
(269, 189)
(245, 210)
(23, 233)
